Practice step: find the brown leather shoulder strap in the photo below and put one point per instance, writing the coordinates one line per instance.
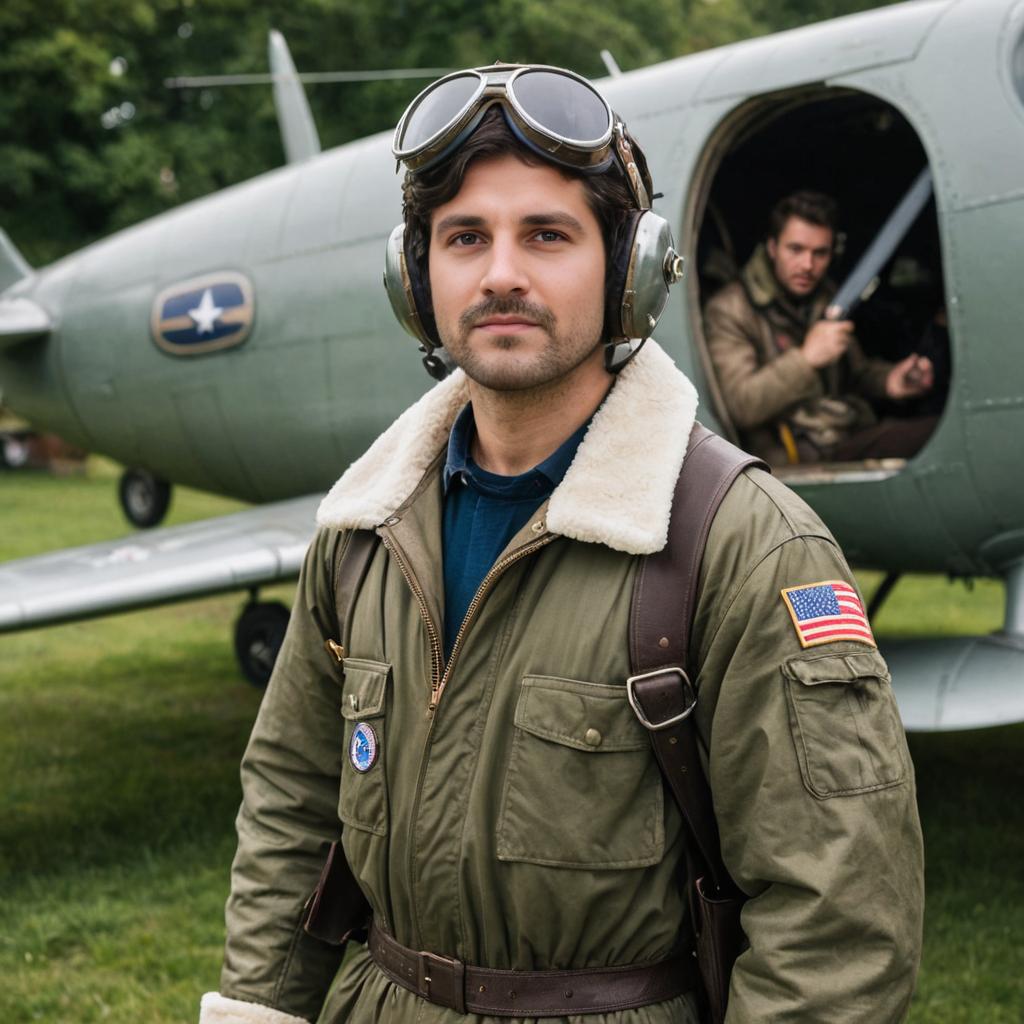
(355, 560)
(661, 618)
(664, 595)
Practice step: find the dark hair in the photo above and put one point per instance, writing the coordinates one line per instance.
(814, 207)
(608, 193)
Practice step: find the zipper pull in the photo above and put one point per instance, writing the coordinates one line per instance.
(335, 650)
(435, 694)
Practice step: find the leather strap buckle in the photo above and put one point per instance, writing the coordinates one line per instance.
(442, 980)
(688, 692)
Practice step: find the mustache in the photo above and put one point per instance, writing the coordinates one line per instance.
(511, 305)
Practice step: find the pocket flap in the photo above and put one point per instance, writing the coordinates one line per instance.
(365, 688)
(593, 717)
(837, 668)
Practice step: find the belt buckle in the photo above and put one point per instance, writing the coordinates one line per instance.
(442, 980)
(688, 690)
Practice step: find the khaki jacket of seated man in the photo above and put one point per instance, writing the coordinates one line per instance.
(755, 331)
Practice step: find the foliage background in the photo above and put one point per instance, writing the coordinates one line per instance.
(66, 180)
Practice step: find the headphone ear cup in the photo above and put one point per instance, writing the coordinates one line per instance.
(645, 266)
(408, 294)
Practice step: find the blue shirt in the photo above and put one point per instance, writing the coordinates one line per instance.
(483, 511)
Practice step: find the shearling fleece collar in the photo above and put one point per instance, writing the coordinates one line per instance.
(618, 490)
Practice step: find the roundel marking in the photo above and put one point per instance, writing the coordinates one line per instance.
(203, 314)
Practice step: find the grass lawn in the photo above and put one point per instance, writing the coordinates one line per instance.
(119, 749)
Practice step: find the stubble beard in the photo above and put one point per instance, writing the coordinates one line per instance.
(810, 287)
(800, 296)
(543, 371)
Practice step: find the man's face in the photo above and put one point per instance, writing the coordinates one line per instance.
(801, 255)
(517, 268)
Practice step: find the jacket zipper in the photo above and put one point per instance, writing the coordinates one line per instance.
(441, 673)
(496, 570)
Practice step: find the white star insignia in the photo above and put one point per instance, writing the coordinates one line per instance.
(205, 314)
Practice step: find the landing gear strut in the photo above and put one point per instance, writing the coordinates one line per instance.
(259, 633)
(144, 497)
(881, 595)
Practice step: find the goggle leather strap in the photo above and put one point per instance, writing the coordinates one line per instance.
(629, 166)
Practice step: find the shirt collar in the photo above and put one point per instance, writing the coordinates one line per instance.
(545, 476)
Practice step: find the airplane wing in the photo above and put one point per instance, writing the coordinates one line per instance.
(259, 546)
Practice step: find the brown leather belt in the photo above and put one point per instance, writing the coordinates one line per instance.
(468, 989)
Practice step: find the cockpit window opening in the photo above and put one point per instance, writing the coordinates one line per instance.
(864, 153)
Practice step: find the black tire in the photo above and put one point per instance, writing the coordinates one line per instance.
(144, 498)
(259, 633)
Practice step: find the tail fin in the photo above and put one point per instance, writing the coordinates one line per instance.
(12, 264)
(298, 132)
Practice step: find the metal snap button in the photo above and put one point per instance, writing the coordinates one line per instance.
(592, 738)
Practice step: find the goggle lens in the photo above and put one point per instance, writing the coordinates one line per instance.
(436, 109)
(562, 106)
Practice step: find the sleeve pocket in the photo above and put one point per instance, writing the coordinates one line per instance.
(845, 726)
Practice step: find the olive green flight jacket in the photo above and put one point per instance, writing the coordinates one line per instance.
(515, 816)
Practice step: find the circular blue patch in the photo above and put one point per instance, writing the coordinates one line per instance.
(363, 748)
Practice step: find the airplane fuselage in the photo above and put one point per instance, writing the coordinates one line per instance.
(326, 367)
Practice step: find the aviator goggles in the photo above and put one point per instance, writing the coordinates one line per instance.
(554, 112)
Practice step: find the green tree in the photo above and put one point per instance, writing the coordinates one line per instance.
(792, 13)
(92, 140)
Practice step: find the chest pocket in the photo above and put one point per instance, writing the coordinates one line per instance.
(582, 789)
(363, 801)
(846, 729)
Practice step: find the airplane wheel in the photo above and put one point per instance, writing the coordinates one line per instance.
(259, 633)
(144, 497)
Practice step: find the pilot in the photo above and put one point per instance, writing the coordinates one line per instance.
(794, 380)
(456, 711)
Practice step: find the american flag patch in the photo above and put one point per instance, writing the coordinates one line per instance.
(825, 612)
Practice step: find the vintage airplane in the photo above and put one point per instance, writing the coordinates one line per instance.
(243, 344)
